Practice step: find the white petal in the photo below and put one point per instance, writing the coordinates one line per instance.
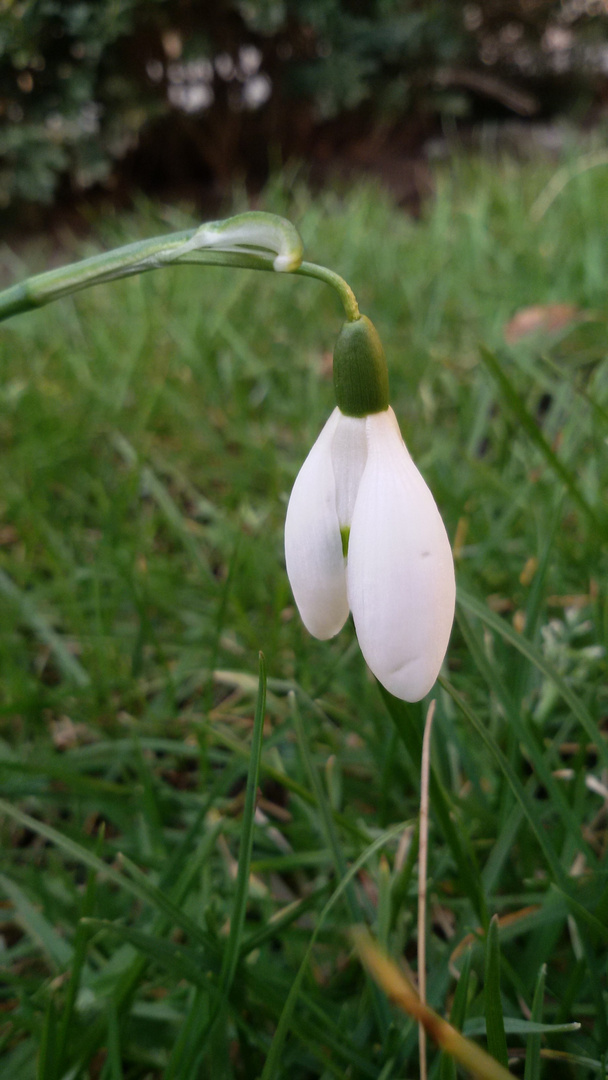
(348, 457)
(401, 585)
(313, 545)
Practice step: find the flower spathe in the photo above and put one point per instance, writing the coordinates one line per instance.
(363, 532)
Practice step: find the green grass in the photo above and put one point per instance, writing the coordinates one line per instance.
(150, 433)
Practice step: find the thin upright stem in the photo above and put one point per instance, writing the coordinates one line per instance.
(422, 875)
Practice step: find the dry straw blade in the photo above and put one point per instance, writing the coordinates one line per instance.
(397, 987)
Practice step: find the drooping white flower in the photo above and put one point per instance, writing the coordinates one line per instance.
(363, 533)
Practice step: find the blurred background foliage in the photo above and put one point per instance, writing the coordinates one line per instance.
(174, 93)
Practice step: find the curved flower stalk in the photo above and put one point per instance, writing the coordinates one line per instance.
(363, 533)
(254, 240)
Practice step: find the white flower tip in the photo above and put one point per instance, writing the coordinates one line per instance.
(413, 680)
(408, 660)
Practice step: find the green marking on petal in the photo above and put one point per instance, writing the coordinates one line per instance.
(344, 535)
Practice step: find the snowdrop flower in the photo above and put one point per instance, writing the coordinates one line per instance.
(363, 532)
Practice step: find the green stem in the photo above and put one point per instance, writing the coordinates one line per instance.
(343, 289)
(255, 241)
(107, 266)
(136, 258)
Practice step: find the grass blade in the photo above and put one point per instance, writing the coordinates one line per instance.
(500, 626)
(524, 732)
(272, 1066)
(113, 1065)
(56, 950)
(333, 842)
(457, 1017)
(536, 436)
(411, 737)
(237, 919)
(514, 1026)
(176, 959)
(532, 1066)
(495, 1028)
(47, 1057)
(190, 1053)
(330, 835)
(517, 788)
(141, 888)
(39, 625)
(76, 966)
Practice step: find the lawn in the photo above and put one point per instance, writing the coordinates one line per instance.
(156, 925)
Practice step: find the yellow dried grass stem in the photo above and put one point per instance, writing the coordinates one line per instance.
(397, 987)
